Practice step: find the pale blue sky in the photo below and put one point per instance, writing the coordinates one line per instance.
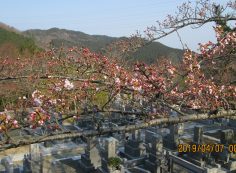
(103, 17)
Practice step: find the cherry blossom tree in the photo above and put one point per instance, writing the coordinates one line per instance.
(76, 83)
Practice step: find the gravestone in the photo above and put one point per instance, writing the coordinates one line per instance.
(133, 147)
(155, 155)
(171, 140)
(227, 136)
(109, 152)
(26, 164)
(8, 164)
(198, 135)
(136, 135)
(91, 160)
(197, 157)
(110, 147)
(36, 158)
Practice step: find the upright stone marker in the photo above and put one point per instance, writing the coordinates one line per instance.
(36, 160)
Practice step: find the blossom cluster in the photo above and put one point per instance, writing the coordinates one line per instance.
(226, 42)
(7, 122)
(38, 118)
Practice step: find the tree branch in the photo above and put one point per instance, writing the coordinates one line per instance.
(184, 24)
(54, 77)
(88, 133)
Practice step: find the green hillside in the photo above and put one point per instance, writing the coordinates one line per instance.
(14, 44)
(61, 37)
(154, 51)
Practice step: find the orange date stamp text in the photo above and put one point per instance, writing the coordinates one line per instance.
(202, 148)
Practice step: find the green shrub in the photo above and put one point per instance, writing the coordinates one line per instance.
(114, 162)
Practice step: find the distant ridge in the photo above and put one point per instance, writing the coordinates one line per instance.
(56, 37)
(9, 28)
(14, 44)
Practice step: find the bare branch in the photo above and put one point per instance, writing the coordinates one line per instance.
(155, 122)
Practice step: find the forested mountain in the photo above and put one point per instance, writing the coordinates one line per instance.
(14, 44)
(55, 37)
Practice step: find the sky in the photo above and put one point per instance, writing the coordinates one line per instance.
(101, 17)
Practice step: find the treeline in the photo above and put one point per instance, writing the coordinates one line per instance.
(13, 44)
